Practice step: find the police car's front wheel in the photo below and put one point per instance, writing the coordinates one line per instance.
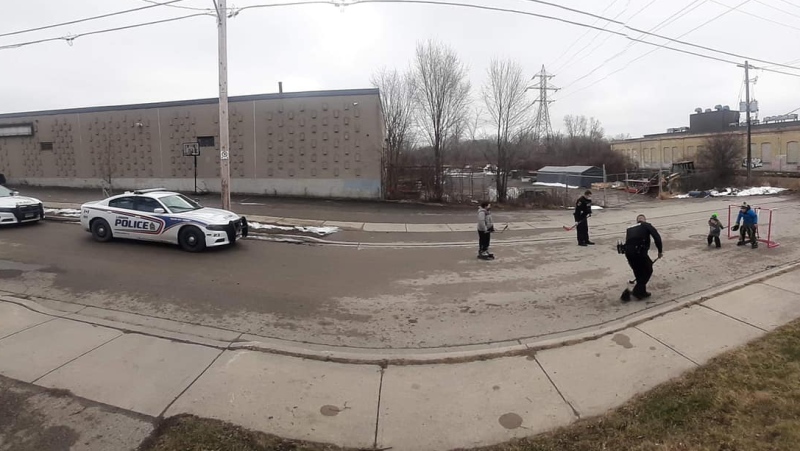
(192, 239)
(101, 231)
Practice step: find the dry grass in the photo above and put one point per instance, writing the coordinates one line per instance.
(190, 433)
(745, 400)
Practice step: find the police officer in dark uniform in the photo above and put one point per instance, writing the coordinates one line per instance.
(583, 209)
(637, 244)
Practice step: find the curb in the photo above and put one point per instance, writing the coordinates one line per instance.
(194, 334)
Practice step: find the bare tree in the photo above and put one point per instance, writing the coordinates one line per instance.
(720, 157)
(441, 87)
(508, 111)
(397, 108)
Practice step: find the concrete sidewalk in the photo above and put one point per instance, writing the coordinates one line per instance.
(477, 401)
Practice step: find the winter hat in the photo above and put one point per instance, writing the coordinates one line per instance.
(714, 216)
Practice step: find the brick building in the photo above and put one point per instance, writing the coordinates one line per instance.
(775, 141)
(318, 144)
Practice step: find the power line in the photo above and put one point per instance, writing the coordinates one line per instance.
(757, 16)
(71, 38)
(651, 51)
(582, 36)
(190, 8)
(790, 3)
(675, 16)
(426, 2)
(102, 16)
(544, 16)
(783, 11)
(574, 57)
(677, 41)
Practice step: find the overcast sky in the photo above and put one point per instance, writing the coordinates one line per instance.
(319, 47)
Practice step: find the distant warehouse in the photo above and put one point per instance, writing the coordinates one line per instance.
(580, 176)
(319, 144)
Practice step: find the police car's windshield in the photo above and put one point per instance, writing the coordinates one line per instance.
(4, 192)
(180, 203)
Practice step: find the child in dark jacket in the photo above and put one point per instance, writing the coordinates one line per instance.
(714, 230)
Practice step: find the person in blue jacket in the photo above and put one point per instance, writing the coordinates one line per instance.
(748, 218)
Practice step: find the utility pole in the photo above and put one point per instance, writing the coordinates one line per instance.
(224, 134)
(747, 118)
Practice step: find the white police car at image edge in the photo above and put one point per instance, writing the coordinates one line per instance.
(162, 216)
(16, 209)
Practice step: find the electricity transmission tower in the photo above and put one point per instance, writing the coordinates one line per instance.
(541, 126)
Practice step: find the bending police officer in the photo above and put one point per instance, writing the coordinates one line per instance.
(637, 245)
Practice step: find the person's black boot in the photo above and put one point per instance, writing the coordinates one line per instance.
(590, 243)
(626, 295)
(740, 243)
(582, 244)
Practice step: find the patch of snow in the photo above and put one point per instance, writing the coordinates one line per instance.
(321, 231)
(759, 191)
(596, 207)
(68, 212)
(732, 192)
(554, 185)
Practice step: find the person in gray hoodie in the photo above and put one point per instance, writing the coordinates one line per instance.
(485, 229)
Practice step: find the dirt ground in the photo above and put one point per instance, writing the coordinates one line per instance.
(542, 283)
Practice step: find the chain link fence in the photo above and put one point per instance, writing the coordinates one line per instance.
(470, 186)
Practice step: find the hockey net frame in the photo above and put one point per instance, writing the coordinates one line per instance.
(766, 224)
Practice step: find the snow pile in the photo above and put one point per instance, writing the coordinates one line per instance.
(596, 207)
(68, 212)
(758, 191)
(554, 185)
(321, 231)
(733, 192)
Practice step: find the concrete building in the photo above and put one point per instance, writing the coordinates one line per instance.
(775, 141)
(320, 144)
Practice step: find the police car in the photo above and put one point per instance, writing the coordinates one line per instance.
(164, 216)
(16, 209)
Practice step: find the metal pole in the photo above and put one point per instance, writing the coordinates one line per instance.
(224, 137)
(747, 113)
(195, 174)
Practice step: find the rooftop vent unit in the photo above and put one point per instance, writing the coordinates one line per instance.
(698, 110)
(718, 107)
(708, 110)
(726, 108)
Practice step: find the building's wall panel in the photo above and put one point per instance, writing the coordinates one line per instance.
(298, 146)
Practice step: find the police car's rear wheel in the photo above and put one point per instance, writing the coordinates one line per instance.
(101, 231)
(192, 239)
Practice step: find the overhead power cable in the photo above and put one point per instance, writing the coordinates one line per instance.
(69, 39)
(765, 19)
(427, 2)
(190, 8)
(579, 38)
(646, 54)
(782, 11)
(87, 19)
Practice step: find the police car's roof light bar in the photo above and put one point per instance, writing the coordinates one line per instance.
(150, 190)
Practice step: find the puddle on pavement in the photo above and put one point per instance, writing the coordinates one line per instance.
(622, 340)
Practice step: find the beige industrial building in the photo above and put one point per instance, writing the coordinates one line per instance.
(319, 144)
(775, 141)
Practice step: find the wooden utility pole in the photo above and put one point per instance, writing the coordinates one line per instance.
(224, 134)
(747, 118)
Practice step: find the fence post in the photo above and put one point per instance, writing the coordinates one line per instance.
(605, 187)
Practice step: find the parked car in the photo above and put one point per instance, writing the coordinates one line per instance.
(16, 209)
(163, 216)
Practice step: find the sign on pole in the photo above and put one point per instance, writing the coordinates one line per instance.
(191, 149)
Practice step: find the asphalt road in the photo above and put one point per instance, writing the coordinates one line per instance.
(379, 297)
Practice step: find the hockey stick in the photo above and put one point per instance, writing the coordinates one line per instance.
(504, 229)
(568, 229)
(654, 262)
